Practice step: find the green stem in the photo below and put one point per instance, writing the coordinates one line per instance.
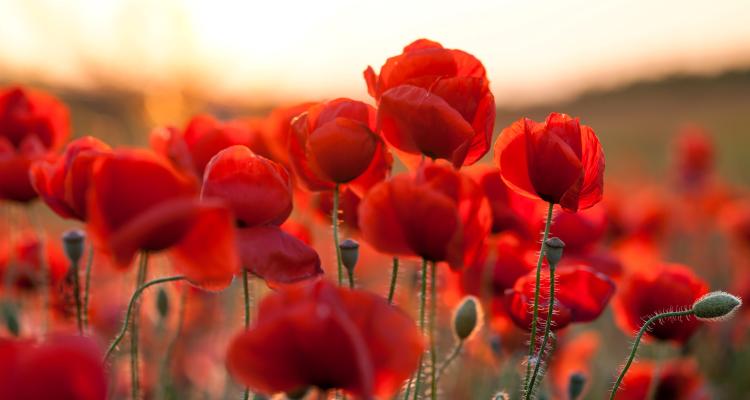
(350, 273)
(87, 286)
(131, 306)
(77, 295)
(547, 326)
(644, 328)
(394, 276)
(246, 289)
(433, 344)
(422, 303)
(134, 332)
(454, 353)
(532, 342)
(335, 221)
(165, 380)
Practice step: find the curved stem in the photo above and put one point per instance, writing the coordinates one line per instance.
(644, 328)
(87, 286)
(246, 290)
(335, 221)
(134, 372)
(422, 303)
(547, 326)
(532, 341)
(454, 353)
(394, 277)
(433, 345)
(131, 305)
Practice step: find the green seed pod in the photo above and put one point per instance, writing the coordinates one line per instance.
(576, 384)
(554, 250)
(349, 253)
(716, 306)
(467, 317)
(73, 241)
(162, 303)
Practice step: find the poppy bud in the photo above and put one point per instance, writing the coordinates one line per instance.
(576, 384)
(554, 250)
(349, 253)
(73, 244)
(10, 316)
(716, 306)
(502, 395)
(162, 303)
(467, 317)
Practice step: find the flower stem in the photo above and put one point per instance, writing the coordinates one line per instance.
(644, 328)
(394, 276)
(165, 378)
(433, 345)
(547, 326)
(140, 279)
(246, 290)
(532, 341)
(422, 304)
(131, 306)
(335, 221)
(87, 286)
(454, 353)
(77, 294)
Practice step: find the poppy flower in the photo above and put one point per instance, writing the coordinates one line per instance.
(33, 125)
(510, 264)
(674, 380)
(665, 287)
(277, 130)
(138, 201)
(348, 207)
(435, 213)
(63, 185)
(434, 101)
(22, 261)
(580, 231)
(559, 161)
(581, 295)
(334, 143)
(320, 335)
(277, 256)
(61, 367)
(694, 156)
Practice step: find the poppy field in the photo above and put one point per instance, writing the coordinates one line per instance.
(407, 246)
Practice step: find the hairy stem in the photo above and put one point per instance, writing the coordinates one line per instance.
(140, 279)
(547, 326)
(451, 357)
(422, 306)
(87, 286)
(335, 221)
(246, 291)
(77, 295)
(433, 345)
(394, 277)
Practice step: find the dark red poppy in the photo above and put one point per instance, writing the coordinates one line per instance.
(559, 161)
(258, 190)
(277, 130)
(661, 288)
(320, 335)
(61, 367)
(435, 213)
(277, 256)
(63, 185)
(334, 143)
(138, 201)
(434, 101)
(581, 295)
(33, 124)
(675, 380)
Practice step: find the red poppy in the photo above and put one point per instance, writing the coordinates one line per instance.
(510, 264)
(138, 201)
(276, 256)
(434, 101)
(258, 190)
(559, 161)
(581, 295)
(61, 367)
(435, 213)
(63, 185)
(694, 156)
(580, 231)
(321, 335)
(574, 356)
(334, 143)
(662, 288)
(21, 262)
(348, 208)
(32, 126)
(277, 130)
(675, 380)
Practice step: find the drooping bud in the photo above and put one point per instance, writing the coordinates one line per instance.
(349, 253)
(467, 318)
(576, 384)
(554, 250)
(716, 306)
(73, 241)
(162, 303)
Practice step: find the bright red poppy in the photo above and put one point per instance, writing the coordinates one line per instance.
(138, 201)
(63, 185)
(559, 161)
(510, 264)
(435, 213)
(666, 287)
(581, 295)
(277, 130)
(277, 256)
(675, 380)
(317, 334)
(33, 125)
(348, 208)
(61, 367)
(334, 143)
(434, 101)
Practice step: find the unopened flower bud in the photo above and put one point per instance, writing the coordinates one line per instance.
(554, 250)
(576, 384)
(73, 241)
(162, 303)
(502, 395)
(716, 306)
(349, 253)
(467, 317)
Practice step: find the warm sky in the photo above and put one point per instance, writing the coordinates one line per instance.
(276, 50)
